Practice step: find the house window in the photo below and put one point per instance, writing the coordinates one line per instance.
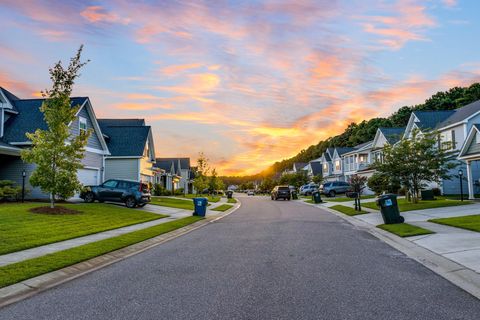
(325, 167)
(82, 124)
(477, 138)
(448, 140)
(337, 165)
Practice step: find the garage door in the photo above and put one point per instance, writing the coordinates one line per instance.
(88, 177)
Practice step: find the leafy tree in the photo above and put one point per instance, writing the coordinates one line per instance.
(267, 185)
(381, 182)
(358, 183)
(201, 181)
(318, 179)
(214, 183)
(296, 179)
(57, 153)
(417, 161)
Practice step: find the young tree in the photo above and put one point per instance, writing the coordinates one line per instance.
(417, 161)
(213, 181)
(381, 182)
(358, 183)
(57, 153)
(201, 175)
(297, 179)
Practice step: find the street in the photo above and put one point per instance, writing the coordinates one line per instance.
(267, 260)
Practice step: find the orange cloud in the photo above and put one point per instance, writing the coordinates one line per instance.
(197, 85)
(176, 69)
(97, 14)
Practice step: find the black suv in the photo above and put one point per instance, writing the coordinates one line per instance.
(132, 193)
(281, 192)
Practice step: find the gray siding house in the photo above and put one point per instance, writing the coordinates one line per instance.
(176, 173)
(21, 116)
(132, 151)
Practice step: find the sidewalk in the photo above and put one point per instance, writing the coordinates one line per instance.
(458, 245)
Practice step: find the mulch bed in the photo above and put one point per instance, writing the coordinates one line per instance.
(57, 210)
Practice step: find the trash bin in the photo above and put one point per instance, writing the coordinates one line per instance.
(229, 194)
(200, 205)
(294, 195)
(427, 195)
(316, 197)
(389, 209)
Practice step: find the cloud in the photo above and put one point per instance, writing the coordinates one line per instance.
(98, 14)
(450, 3)
(176, 69)
(197, 85)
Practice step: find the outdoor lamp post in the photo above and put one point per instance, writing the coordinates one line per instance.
(24, 174)
(460, 175)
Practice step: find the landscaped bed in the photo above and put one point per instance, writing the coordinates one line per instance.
(404, 229)
(173, 203)
(21, 229)
(232, 200)
(465, 222)
(27, 269)
(347, 210)
(222, 207)
(404, 205)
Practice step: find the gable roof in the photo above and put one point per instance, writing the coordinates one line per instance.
(327, 156)
(29, 118)
(316, 167)
(392, 135)
(467, 143)
(166, 163)
(122, 122)
(431, 119)
(125, 140)
(342, 150)
(10, 96)
(299, 165)
(461, 114)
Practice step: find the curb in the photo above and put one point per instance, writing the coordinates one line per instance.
(30, 287)
(458, 274)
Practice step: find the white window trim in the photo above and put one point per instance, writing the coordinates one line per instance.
(82, 120)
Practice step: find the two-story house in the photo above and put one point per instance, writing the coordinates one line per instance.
(21, 116)
(177, 174)
(385, 136)
(327, 167)
(132, 151)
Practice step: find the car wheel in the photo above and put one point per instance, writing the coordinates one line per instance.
(130, 202)
(89, 197)
(332, 193)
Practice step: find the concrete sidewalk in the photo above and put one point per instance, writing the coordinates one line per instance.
(458, 245)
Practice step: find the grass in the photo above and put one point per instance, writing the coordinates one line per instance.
(232, 200)
(172, 203)
(345, 199)
(222, 207)
(210, 198)
(27, 269)
(404, 229)
(21, 229)
(465, 222)
(404, 205)
(347, 210)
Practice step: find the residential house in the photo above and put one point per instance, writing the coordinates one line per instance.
(132, 151)
(453, 126)
(21, 116)
(177, 174)
(385, 136)
(313, 168)
(337, 164)
(327, 165)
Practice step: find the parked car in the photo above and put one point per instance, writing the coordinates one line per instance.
(333, 188)
(132, 193)
(308, 189)
(250, 193)
(281, 192)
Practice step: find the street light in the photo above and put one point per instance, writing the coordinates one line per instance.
(460, 175)
(24, 174)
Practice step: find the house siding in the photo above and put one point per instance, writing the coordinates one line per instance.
(12, 169)
(91, 159)
(474, 147)
(146, 171)
(93, 140)
(121, 169)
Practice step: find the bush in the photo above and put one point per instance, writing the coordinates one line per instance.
(180, 192)
(8, 191)
(380, 182)
(158, 189)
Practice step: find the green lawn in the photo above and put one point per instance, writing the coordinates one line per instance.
(466, 222)
(344, 199)
(347, 210)
(222, 207)
(232, 200)
(210, 198)
(404, 205)
(27, 269)
(404, 229)
(21, 229)
(173, 203)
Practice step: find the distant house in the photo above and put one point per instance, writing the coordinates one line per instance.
(313, 168)
(176, 173)
(132, 151)
(385, 136)
(19, 116)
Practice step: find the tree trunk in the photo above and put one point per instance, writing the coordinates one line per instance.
(52, 200)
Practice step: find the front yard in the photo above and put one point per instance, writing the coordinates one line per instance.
(471, 223)
(404, 229)
(21, 229)
(173, 203)
(347, 210)
(404, 205)
(222, 207)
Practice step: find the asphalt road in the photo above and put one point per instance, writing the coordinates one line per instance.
(268, 260)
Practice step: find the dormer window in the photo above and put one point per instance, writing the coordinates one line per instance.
(82, 125)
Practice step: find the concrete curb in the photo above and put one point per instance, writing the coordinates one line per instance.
(32, 286)
(454, 272)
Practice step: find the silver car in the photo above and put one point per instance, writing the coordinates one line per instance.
(331, 189)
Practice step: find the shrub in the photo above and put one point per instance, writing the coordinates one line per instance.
(380, 182)
(179, 191)
(158, 189)
(8, 191)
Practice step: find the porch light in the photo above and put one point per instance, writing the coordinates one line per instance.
(460, 175)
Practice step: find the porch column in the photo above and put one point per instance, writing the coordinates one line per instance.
(471, 195)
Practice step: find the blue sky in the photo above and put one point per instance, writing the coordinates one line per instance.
(245, 82)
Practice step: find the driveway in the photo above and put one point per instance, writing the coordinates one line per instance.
(268, 260)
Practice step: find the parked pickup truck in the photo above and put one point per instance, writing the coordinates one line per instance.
(132, 193)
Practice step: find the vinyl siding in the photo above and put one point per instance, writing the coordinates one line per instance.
(452, 186)
(121, 169)
(91, 159)
(11, 169)
(146, 169)
(93, 141)
(474, 147)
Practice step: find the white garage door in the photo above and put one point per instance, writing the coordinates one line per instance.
(88, 177)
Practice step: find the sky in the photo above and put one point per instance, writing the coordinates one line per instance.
(247, 83)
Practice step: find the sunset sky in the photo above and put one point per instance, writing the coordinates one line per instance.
(246, 82)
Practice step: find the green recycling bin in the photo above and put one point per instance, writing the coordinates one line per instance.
(389, 209)
(316, 197)
(294, 195)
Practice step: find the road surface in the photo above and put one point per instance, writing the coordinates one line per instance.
(268, 260)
